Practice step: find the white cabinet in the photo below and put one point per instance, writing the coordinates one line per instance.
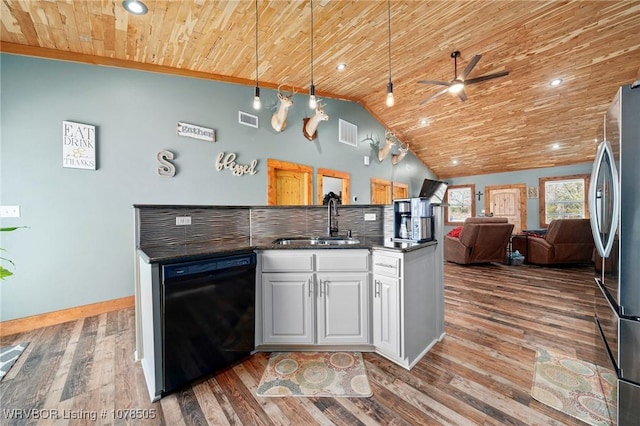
(406, 303)
(288, 314)
(314, 297)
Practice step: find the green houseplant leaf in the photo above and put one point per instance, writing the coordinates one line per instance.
(4, 273)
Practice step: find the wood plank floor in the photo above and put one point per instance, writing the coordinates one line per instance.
(481, 373)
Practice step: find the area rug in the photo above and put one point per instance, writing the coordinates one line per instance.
(8, 356)
(334, 374)
(575, 387)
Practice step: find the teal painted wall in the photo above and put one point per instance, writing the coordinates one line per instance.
(79, 245)
(528, 177)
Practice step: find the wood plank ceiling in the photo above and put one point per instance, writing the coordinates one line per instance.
(507, 124)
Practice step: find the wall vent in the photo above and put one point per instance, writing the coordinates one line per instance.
(347, 133)
(247, 119)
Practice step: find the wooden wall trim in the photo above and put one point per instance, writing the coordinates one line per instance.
(21, 325)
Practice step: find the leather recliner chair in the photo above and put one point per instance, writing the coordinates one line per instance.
(481, 240)
(566, 241)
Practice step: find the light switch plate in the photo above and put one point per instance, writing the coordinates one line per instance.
(369, 216)
(9, 211)
(183, 220)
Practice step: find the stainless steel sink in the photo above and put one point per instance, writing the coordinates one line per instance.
(316, 241)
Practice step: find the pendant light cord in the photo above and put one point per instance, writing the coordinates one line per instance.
(389, 21)
(256, 43)
(311, 3)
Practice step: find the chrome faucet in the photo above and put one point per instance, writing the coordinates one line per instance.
(332, 223)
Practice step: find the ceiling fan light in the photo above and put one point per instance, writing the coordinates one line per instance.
(390, 100)
(456, 87)
(135, 6)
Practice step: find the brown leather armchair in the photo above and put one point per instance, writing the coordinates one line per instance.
(566, 241)
(482, 240)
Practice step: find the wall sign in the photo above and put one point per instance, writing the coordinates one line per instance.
(196, 132)
(78, 145)
(167, 168)
(227, 161)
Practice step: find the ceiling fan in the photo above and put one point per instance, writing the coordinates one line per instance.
(456, 86)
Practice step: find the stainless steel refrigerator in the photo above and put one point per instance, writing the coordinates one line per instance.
(614, 204)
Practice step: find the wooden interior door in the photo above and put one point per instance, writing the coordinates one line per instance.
(289, 184)
(380, 191)
(508, 201)
(400, 191)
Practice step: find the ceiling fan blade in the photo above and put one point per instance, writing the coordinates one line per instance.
(486, 77)
(470, 66)
(440, 83)
(442, 92)
(462, 95)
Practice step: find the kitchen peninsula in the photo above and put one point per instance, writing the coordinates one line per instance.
(371, 294)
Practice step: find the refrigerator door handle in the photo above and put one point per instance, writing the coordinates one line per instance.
(604, 153)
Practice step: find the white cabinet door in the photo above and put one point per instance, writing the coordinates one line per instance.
(343, 308)
(386, 315)
(287, 308)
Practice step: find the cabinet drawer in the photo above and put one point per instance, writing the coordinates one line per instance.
(342, 260)
(386, 265)
(287, 261)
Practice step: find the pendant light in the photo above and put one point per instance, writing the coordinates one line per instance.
(313, 103)
(256, 94)
(390, 100)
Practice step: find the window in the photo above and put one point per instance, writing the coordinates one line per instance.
(563, 197)
(462, 203)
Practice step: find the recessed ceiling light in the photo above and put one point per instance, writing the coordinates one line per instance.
(341, 66)
(555, 82)
(454, 162)
(135, 6)
(424, 121)
(555, 146)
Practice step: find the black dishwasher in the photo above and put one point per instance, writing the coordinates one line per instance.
(208, 316)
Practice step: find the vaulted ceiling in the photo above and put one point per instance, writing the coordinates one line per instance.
(508, 123)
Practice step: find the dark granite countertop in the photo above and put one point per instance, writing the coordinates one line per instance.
(187, 252)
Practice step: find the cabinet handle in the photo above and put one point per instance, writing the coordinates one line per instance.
(321, 283)
(386, 265)
(376, 291)
(310, 288)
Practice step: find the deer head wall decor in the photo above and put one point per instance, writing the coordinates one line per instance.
(389, 141)
(396, 158)
(279, 118)
(310, 125)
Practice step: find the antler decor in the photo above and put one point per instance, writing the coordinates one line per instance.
(279, 118)
(389, 141)
(310, 125)
(396, 158)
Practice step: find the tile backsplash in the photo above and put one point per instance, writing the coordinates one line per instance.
(253, 225)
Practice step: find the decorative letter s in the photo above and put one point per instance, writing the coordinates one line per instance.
(167, 168)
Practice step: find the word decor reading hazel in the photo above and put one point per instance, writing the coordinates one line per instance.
(228, 161)
(78, 145)
(196, 132)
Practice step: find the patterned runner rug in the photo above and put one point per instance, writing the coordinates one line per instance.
(334, 374)
(577, 388)
(8, 356)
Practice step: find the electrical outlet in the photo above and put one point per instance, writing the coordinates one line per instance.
(369, 216)
(9, 211)
(183, 220)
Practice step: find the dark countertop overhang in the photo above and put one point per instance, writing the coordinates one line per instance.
(187, 252)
